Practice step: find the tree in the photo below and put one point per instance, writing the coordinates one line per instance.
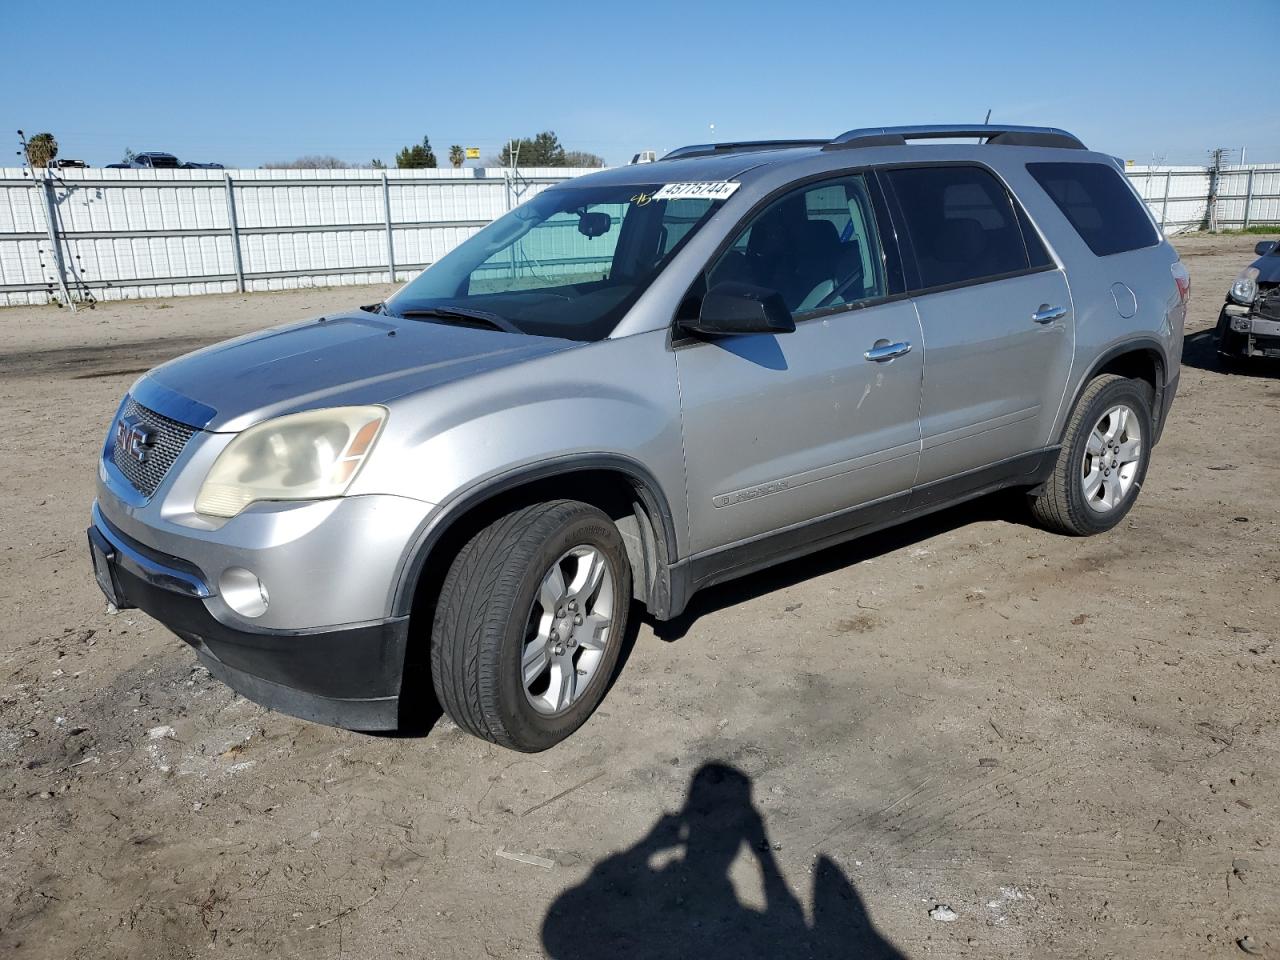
(41, 149)
(581, 158)
(543, 150)
(311, 161)
(457, 156)
(129, 156)
(376, 164)
(416, 157)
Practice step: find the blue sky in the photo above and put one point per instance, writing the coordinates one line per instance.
(243, 83)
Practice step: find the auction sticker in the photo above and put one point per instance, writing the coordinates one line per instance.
(714, 190)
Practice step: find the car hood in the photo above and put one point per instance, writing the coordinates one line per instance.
(351, 358)
(1268, 268)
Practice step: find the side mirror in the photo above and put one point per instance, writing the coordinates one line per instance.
(730, 308)
(1265, 247)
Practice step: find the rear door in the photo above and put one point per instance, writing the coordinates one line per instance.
(996, 317)
(783, 430)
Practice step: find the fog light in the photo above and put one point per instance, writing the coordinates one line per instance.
(1240, 324)
(243, 592)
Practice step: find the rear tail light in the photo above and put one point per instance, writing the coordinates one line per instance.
(1182, 279)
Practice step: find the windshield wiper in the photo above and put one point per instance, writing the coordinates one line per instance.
(477, 317)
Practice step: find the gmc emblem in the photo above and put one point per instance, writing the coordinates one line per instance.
(134, 438)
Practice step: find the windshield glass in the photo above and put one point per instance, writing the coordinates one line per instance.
(568, 263)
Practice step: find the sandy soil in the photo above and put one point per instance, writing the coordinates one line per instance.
(1073, 744)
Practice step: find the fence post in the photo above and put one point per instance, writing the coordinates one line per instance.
(1248, 199)
(51, 222)
(386, 214)
(235, 232)
(1164, 206)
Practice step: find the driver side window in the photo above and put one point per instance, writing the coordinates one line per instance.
(816, 246)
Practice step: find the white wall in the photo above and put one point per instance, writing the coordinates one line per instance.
(162, 233)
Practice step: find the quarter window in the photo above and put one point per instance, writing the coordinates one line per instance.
(816, 246)
(1099, 204)
(963, 225)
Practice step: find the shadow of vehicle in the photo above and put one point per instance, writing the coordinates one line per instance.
(670, 895)
(1006, 505)
(1200, 350)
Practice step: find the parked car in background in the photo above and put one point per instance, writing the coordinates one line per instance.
(1249, 323)
(154, 160)
(192, 165)
(62, 163)
(635, 385)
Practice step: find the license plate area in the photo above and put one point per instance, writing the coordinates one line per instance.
(103, 556)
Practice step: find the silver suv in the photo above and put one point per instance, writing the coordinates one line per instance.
(640, 383)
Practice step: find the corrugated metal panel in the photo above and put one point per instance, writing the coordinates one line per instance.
(323, 227)
(313, 226)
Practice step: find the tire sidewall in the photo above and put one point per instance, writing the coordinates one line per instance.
(533, 730)
(1135, 397)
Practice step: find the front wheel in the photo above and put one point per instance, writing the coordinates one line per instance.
(1103, 460)
(529, 624)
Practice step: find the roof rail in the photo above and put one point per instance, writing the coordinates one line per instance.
(742, 146)
(990, 133)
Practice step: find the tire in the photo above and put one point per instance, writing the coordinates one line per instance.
(1086, 493)
(499, 606)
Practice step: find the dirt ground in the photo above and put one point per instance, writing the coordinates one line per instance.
(1072, 744)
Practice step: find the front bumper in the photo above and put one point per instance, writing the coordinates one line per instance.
(347, 676)
(1244, 334)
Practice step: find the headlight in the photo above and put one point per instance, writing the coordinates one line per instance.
(1246, 286)
(303, 456)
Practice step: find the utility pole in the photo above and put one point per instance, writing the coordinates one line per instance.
(1216, 158)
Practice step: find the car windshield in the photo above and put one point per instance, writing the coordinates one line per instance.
(568, 263)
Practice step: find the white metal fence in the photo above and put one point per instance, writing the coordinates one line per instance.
(1179, 196)
(122, 234)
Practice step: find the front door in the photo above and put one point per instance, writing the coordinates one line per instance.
(781, 430)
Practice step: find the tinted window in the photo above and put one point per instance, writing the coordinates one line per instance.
(1036, 251)
(817, 246)
(1099, 204)
(962, 224)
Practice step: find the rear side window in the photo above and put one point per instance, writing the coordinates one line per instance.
(1099, 204)
(963, 225)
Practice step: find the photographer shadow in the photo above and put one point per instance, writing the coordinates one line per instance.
(671, 896)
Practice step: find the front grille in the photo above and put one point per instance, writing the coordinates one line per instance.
(167, 441)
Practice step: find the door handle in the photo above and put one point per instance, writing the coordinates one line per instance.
(884, 350)
(1048, 314)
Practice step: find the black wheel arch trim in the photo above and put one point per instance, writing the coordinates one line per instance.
(463, 500)
(1166, 377)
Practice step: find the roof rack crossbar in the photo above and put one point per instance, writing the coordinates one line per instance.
(741, 146)
(1004, 134)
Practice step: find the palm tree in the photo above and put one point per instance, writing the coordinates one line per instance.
(456, 156)
(41, 149)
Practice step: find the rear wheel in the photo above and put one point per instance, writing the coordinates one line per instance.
(1103, 460)
(529, 624)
